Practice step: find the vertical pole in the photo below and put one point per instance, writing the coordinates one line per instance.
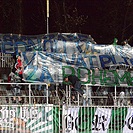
(66, 95)
(20, 16)
(2, 60)
(115, 96)
(29, 93)
(69, 94)
(47, 93)
(47, 16)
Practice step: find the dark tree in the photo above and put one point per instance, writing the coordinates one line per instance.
(11, 16)
(117, 20)
(65, 16)
(104, 20)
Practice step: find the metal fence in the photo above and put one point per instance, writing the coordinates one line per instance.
(42, 93)
(101, 119)
(44, 118)
(30, 93)
(51, 109)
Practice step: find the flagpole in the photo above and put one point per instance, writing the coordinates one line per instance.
(47, 16)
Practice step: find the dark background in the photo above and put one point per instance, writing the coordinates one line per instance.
(102, 19)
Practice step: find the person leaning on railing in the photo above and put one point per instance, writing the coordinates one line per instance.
(75, 83)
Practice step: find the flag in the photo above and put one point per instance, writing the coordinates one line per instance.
(70, 121)
(101, 120)
(46, 121)
(128, 127)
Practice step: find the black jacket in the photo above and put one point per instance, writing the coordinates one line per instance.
(73, 79)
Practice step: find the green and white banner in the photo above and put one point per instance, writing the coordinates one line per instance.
(30, 119)
(42, 119)
(77, 120)
(98, 120)
(43, 122)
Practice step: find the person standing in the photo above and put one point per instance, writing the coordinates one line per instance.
(17, 88)
(18, 67)
(88, 91)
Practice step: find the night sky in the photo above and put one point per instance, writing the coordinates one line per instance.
(106, 19)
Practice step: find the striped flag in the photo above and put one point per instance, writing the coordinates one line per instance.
(44, 121)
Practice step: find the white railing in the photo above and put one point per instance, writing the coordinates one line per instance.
(35, 93)
(26, 86)
(100, 96)
(68, 117)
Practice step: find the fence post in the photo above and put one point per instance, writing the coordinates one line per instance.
(69, 94)
(29, 93)
(47, 93)
(115, 101)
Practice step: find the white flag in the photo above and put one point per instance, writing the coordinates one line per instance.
(101, 120)
(69, 117)
(128, 127)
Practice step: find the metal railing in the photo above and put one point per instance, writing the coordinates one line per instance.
(41, 93)
(7, 92)
(58, 114)
(6, 60)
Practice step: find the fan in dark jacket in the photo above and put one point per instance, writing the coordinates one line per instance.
(74, 83)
